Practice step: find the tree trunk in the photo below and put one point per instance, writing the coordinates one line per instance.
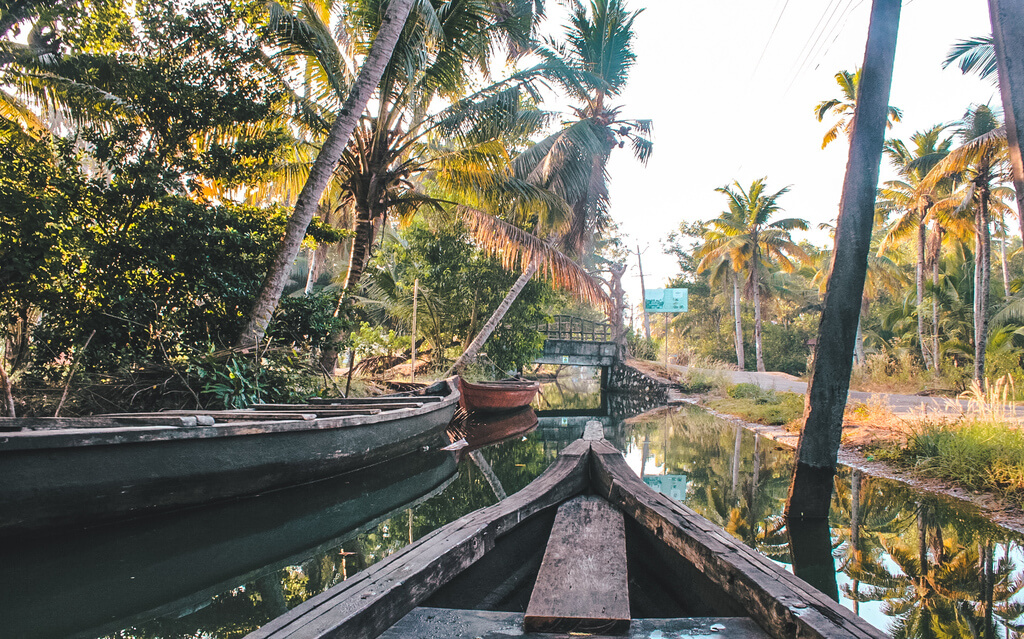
(322, 169)
(1007, 17)
(920, 293)
(739, 321)
(811, 488)
(474, 347)
(1002, 261)
(982, 272)
(756, 282)
(935, 299)
(858, 346)
(5, 383)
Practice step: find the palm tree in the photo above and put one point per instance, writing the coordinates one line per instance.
(906, 198)
(369, 77)
(845, 106)
(978, 163)
(597, 55)
(401, 140)
(751, 241)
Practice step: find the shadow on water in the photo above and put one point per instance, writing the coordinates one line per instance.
(913, 564)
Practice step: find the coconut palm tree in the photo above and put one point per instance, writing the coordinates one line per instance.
(404, 137)
(845, 106)
(979, 162)
(912, 203)
(746, 234)
(597, 53)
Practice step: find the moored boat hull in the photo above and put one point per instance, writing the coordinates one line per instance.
(492, 397)
(79, 476)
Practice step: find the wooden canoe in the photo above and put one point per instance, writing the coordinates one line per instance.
(503, 395)
(108, 578)
(73, 472)
(585, 548)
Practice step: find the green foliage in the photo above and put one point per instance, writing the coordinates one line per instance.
(978, 455)
(459, 289)
(306, 320)
(239, 381)
(754, 404)
(640, 347)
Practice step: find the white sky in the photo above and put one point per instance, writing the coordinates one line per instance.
(717, 120)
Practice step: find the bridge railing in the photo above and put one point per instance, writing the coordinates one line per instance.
(567, 327)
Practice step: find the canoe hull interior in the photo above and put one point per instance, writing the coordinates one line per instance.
(86, 476)
(701, 571)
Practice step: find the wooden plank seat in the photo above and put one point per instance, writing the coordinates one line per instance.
(106, 421)
(582, 586)
(446, 623)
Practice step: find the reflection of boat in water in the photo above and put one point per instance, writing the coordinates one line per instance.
(484, 429)
(73, 471)
(663, 569)
(503, 395)
(107, 578)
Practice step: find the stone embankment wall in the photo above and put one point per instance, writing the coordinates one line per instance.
(633, 392)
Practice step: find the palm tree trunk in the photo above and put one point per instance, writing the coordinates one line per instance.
(474, 347)
(920, 294)
(982, 268)
(1002, 261)
(739, 321)
(1007, 17)
(810, 492)
(935, 298)
(322, 169)
(858, 345)
(756, 283)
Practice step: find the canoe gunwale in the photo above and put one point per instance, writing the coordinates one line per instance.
(77, 437)
(375, 599)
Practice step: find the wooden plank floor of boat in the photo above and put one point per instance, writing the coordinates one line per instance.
(446, 623)
(582, 585)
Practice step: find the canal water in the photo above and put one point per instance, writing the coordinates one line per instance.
(912, 564)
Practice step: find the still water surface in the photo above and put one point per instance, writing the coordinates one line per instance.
(913, 564)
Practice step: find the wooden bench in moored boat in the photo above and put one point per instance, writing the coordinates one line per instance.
(582, 585)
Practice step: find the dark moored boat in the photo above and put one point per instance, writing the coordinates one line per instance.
(586, 548)
(492, 397)
(75, 471)
(108, 578)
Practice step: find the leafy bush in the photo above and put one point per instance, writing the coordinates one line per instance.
(745, 391)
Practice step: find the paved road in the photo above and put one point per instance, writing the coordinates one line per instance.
(899, 404)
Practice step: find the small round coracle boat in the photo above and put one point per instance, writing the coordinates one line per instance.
(499, 396)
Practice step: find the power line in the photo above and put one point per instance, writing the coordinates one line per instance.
(769, 40)
(814, 40)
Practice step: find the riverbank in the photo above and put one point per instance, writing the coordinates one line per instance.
(870, 425)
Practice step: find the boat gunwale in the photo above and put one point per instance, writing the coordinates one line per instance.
(43, 438)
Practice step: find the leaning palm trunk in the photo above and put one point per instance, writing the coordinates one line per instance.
(739, 321)
(492, 323)
(936, 253)
(322, 169)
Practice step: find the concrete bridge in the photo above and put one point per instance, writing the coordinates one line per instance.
(575, 341)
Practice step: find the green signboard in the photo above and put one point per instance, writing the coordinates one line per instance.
(666, 300)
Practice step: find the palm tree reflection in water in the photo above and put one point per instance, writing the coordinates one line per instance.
(914, 564)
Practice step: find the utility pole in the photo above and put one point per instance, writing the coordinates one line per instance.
(643, 295)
